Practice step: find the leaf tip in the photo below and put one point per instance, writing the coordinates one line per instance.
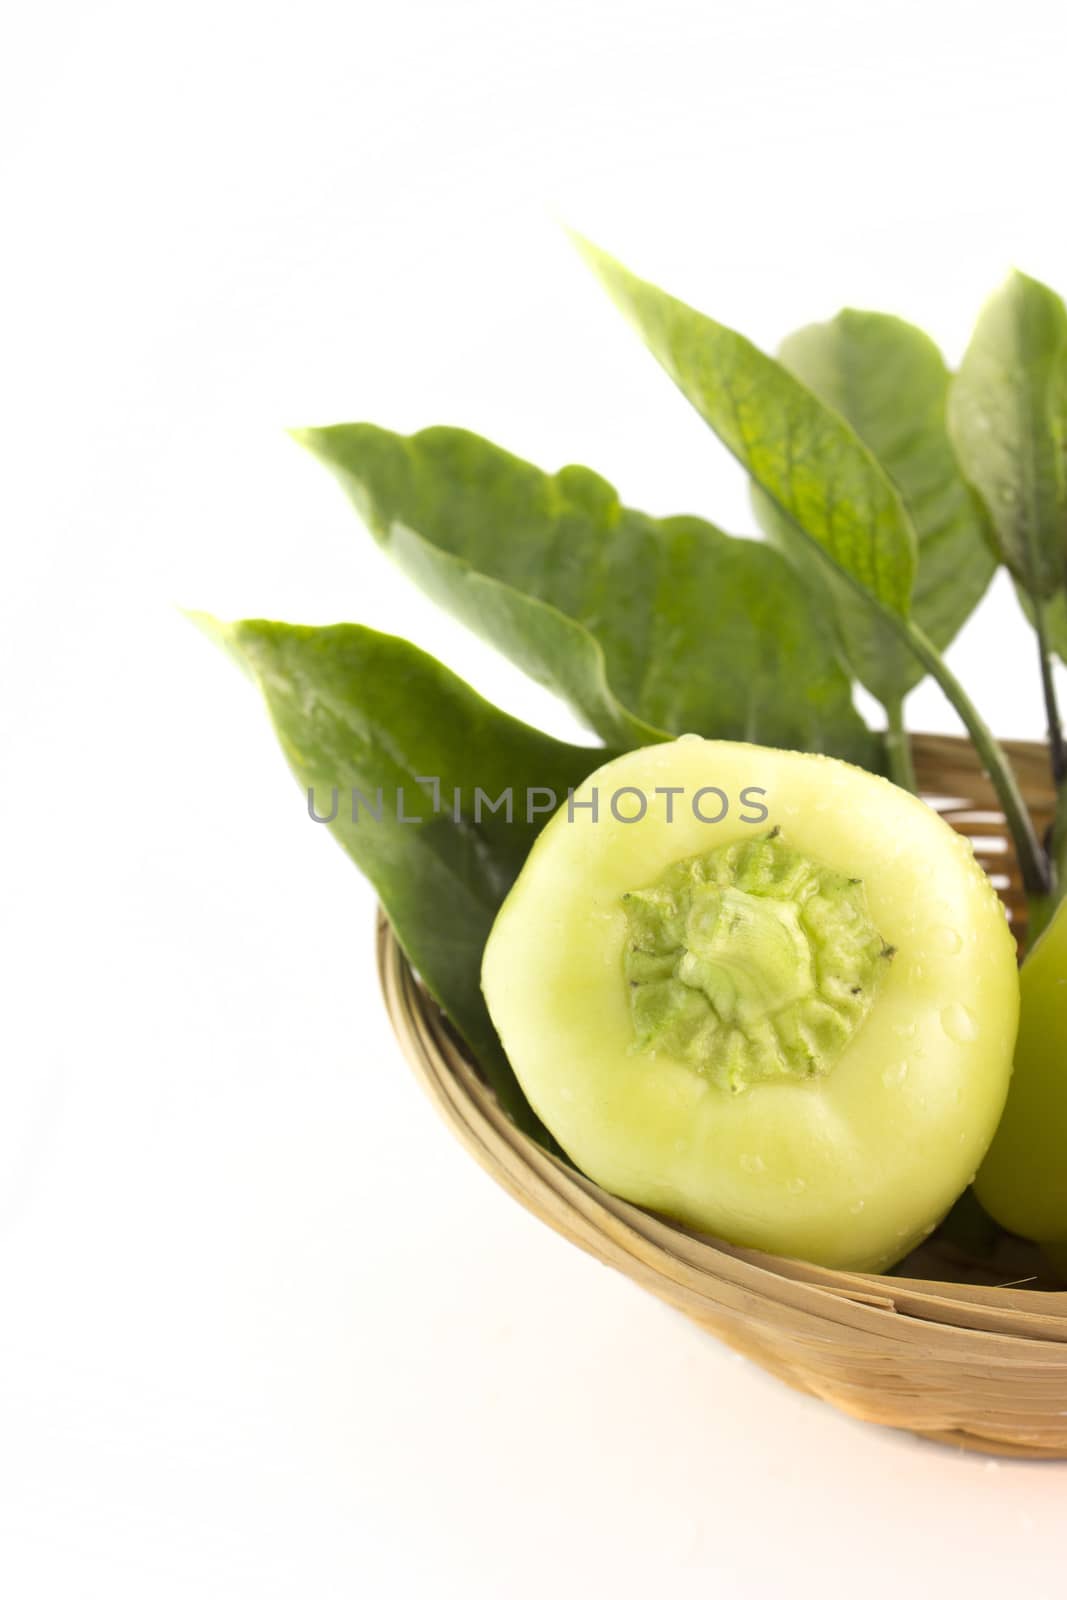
(322, 443)
(307, 438)
(594, 257)
(208, 624)
(222, 634)
(578, 239)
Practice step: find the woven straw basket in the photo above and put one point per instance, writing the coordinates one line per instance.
(946, 1352)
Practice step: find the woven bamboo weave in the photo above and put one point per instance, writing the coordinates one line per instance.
(975, 1365)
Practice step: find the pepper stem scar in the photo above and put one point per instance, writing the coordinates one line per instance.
(751, 962)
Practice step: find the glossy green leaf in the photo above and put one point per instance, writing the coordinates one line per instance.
(800, 451)
(646, 627)
(890, 382)
(361, 713)
(1007, 415)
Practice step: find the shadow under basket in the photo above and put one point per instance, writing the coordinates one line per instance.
(937, 1347)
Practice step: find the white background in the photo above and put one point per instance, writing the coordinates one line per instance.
(264, 1331)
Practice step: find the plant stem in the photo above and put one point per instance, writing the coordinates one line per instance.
(1056, 750)
(1033, 865)
(898, 748)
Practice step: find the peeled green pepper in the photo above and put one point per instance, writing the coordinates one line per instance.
(1023, 1180)
(765, 993)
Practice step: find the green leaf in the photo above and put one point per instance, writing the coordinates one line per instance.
(890, 382)
(359, 711)
(821, 474)
(803, 454)
(647, 627)
(1007, 415)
